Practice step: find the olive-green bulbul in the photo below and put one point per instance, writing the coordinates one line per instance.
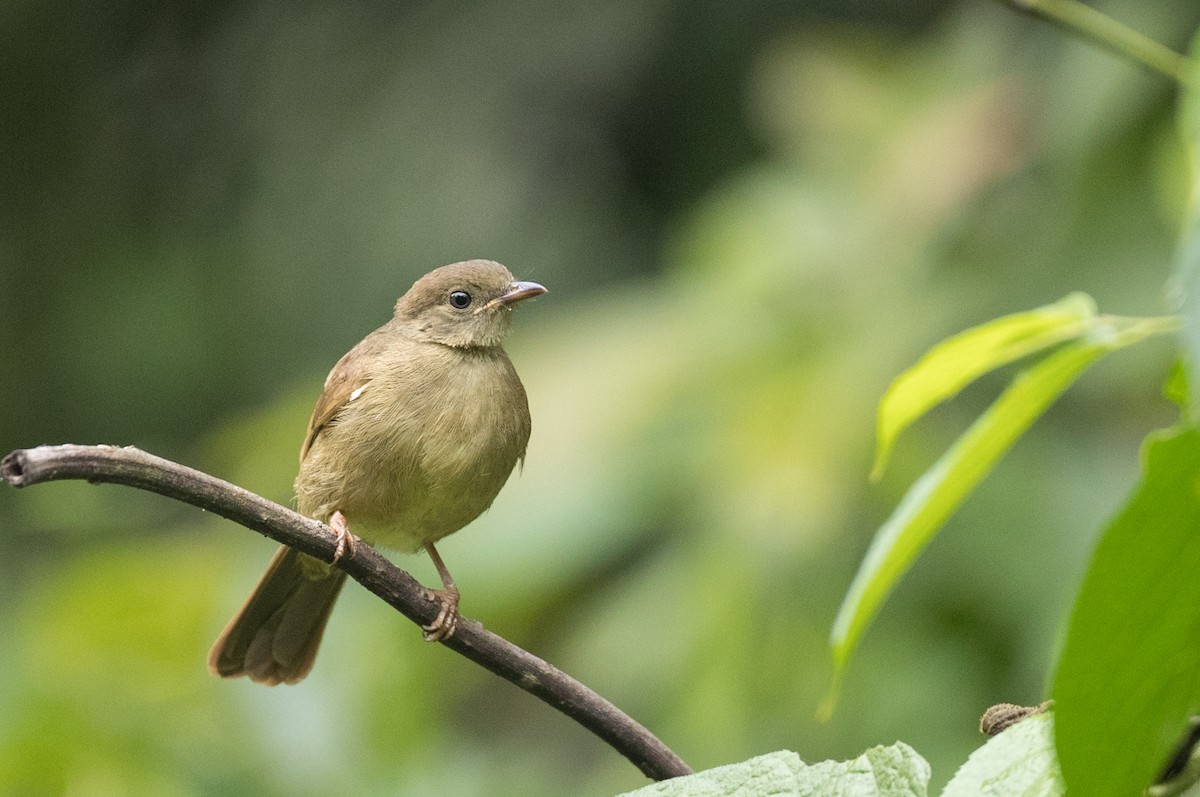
(416, 431)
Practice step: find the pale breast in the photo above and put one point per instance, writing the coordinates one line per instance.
(423, 449)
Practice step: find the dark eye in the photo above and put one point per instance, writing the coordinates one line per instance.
(460, 300)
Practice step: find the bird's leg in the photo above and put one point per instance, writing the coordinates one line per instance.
(446, 622)
(345, 540)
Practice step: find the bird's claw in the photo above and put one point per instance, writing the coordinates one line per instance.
(345, 540)
(446, 622)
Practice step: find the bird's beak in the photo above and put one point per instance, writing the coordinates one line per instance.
(515, 293)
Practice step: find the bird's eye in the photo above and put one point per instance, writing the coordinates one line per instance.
(460, 300)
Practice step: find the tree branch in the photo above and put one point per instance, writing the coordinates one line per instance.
(134, 468)
(1089, 23)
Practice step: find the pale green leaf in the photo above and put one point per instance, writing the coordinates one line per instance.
(894, 771)
(1129, 673)
(1020, 762)
(773, 773)
(941, 489)
(959, 360)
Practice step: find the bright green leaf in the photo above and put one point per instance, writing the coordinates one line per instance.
(1175, 389)
(1020, 762)
(941, 489)
(959, 360)
(895, 771)
(1129, 673)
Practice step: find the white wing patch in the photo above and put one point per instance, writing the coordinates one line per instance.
(357, 392)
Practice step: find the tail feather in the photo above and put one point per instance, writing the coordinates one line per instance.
(274, 638)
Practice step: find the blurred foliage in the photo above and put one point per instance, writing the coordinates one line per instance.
(750, 217)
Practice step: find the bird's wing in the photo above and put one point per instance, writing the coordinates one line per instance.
(344, 384)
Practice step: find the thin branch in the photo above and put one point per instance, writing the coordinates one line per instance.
(134, 468)
(1121, 39)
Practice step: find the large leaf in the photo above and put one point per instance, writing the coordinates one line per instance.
(1129, 673)
(1020, 762)
(895, 771)
(959, 360)
(941, 489)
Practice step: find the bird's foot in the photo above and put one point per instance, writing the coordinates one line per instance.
(446, 622)
(345, 540)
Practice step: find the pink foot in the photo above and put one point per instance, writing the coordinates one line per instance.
(446, 622)
(345, 540)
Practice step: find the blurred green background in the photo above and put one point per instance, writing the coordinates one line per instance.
(750, 216)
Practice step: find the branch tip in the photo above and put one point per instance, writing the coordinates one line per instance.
(12, 468)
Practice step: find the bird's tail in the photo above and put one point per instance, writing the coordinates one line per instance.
(275, 636)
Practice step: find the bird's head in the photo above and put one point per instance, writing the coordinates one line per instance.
(465, 305)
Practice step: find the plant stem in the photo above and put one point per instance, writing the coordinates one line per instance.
(1122, 39)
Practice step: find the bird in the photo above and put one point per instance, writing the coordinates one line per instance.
(417, 429)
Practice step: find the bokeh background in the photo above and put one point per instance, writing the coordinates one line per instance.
(751, 216)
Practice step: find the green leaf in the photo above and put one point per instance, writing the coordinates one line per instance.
(895, 771)
(1187, 257)
(1129, 672)
(1175, 389)
(1020, 762)
(958, 361)
(941, 489)
(773, 773)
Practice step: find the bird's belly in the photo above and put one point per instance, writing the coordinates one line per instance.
(403, 496)
(417, 514)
